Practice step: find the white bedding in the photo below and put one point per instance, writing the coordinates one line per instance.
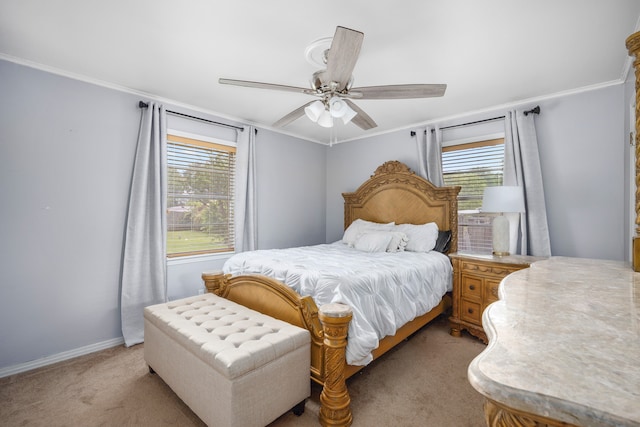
(384, 290)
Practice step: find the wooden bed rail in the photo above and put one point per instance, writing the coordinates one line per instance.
(328, 329)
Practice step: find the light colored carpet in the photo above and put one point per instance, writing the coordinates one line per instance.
(422, 382)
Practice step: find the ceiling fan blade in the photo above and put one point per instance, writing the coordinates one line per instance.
(260, 85)
(342, 57)
(362, 119)
(294, 115)
(399, 91)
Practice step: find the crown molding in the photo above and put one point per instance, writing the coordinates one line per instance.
(241, 122)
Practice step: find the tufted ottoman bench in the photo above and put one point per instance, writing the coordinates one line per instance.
(231, 365)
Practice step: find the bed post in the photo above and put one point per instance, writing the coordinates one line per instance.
(334, 398)
(633, 45)
(213, 281)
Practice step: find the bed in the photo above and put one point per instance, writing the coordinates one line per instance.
(393, 194)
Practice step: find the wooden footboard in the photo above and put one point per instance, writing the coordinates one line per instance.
(270, 297)
(328, 364)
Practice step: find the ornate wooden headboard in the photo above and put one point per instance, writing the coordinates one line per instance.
(395, 193)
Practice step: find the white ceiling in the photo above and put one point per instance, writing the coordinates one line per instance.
(489, 53)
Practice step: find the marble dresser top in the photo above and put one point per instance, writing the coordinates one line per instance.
(564, 343)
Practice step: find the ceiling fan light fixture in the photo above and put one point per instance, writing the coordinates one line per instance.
(314, 110)
(325, 120)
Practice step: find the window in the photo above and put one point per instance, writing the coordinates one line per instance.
(473, 166)
(200, 194)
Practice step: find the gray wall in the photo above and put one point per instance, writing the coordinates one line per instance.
(581, 140)
(349, 164)
(66, 152)
(582, 152)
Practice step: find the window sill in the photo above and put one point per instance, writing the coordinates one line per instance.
(198, 258)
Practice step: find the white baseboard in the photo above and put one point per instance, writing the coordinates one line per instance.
(65, 355)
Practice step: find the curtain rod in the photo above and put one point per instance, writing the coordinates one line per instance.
(534, 110)
(143, 104)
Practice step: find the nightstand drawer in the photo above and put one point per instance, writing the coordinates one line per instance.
(471, 287)
(471, 311)
(486, 270)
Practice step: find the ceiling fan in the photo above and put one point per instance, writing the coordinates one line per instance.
(333, 87)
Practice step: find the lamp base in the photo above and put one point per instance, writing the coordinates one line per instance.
(500, 235)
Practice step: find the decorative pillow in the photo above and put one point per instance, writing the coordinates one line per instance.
(398, 241)
(360, 226)
(422, 238)
(375, 241)
(444, 241)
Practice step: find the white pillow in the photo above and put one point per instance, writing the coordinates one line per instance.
(422, 238)
(360, 226)
(375, 241)
(398, 242)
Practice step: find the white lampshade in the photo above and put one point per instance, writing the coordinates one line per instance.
(314, 110)
(503, 199)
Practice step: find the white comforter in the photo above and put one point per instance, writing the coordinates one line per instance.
(384, 290)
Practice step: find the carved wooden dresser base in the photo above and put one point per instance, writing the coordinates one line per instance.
(497, 415)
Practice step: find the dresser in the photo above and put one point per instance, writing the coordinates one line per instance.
(476, 279)
(564, 346)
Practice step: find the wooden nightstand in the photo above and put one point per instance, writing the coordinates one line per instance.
(475, 285)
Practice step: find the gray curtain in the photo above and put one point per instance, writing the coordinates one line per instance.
(144, 270)
(245, 203)
(430, 155)
(522, 167)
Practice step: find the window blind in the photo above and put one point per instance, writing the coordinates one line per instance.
(473, 167)
(200, 196)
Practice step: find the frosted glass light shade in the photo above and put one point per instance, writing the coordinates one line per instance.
(337, 107)
(325, 120)
(348, 115)
(340, 109)
(314, 110)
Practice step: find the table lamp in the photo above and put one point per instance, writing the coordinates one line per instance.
(502, 200)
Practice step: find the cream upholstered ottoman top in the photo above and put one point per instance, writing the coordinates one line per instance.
(231, 338)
